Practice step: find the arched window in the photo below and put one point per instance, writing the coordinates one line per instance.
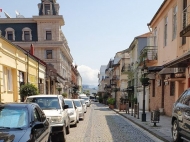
(26, 34)
(10, 34)
(47, 8)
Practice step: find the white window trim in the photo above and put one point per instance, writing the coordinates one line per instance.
(9, 80)
(25, 30)
(10, 30)
(4, 79)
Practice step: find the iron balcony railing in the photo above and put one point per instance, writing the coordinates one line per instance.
(149, 53)
(115, 77)
(186, 17)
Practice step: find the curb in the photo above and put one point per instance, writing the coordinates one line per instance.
(153, 133)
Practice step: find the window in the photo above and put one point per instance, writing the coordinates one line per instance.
(49, 54)
(155, 37)
(172, 88)
(26, 34)
(165, 30)
(174, 22)
(36, 116)
(184, 19)
(48, 35)
(47, 9)
(10, 34)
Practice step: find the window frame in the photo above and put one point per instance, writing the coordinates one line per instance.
(7, 30)
(174, 28)
(48, 34)
(47, 54)
(165, 30)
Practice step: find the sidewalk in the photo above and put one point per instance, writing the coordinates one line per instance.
(162, 129)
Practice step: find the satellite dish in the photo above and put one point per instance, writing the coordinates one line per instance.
(7, 15)
(18, 15)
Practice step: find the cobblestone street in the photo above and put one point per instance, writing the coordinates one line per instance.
(103, 125)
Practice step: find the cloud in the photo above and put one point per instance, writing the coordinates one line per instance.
(89, 75)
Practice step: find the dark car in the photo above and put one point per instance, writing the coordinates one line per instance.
(23, 122)
(181, 117)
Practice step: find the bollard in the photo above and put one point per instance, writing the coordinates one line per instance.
(137, 110)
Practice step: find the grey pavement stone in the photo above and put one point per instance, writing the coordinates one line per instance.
(104, 125)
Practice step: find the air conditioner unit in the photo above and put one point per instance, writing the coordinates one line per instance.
(179, 70)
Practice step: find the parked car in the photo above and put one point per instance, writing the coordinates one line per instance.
(181, 117)
(78, 104)
(87, 101)
(84, 105)
(23, 122)
(73, 112)
(56, 112)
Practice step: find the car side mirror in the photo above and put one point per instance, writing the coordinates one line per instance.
(66, 106)
(38, 125)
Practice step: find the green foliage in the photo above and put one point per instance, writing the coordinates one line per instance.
(111, 101)
(130, 74)
(28, 90)
(64, 95)
(100, 99)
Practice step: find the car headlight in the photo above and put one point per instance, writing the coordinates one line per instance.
(71, 112)
(56, 119)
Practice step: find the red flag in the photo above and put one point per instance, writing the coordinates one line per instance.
(1, 10)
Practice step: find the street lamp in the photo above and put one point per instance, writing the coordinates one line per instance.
(145, 83)
(113, 83)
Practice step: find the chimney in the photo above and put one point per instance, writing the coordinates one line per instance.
(32, 49)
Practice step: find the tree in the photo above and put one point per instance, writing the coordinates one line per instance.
(27, 90)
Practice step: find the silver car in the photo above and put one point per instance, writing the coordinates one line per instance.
(73, 112)
(84, 105)
(80, 108)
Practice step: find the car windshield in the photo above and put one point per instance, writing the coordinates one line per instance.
(82, 101)
(85, 98)
(77, 103)
(46, 102)
(69, 103)
(13, 117)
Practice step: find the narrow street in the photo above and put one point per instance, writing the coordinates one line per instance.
(101, 124)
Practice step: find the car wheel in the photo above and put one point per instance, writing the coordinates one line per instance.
(68, 129)
(60, 137)
(175, 133)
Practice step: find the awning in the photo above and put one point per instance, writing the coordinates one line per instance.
(166, 71)
(182, 61)
(155, 68)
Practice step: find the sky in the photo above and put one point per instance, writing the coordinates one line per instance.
(95, 29)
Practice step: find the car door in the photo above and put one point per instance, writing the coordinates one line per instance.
(39, 134)
(186, 115)
(64, 112)
(47, 128)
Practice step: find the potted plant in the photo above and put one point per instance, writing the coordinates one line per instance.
(122, 105)
(59, 89)
(144, 81)
(111, 102)
(27, 90)
(64, 95)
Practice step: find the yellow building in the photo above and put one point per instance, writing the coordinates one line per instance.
(17, 67)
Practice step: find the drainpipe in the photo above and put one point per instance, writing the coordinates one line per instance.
(162, 83)
(27, 67)
(38, 75)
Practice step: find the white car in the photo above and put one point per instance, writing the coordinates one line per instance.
(84, 105)
(87, 101)
(56, 112)
(78, 104)
(73, 112)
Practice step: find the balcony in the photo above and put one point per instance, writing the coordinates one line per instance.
(186, 23)
(149, 54)
(115, 77)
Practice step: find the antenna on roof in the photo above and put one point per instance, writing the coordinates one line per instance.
(7, 15)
